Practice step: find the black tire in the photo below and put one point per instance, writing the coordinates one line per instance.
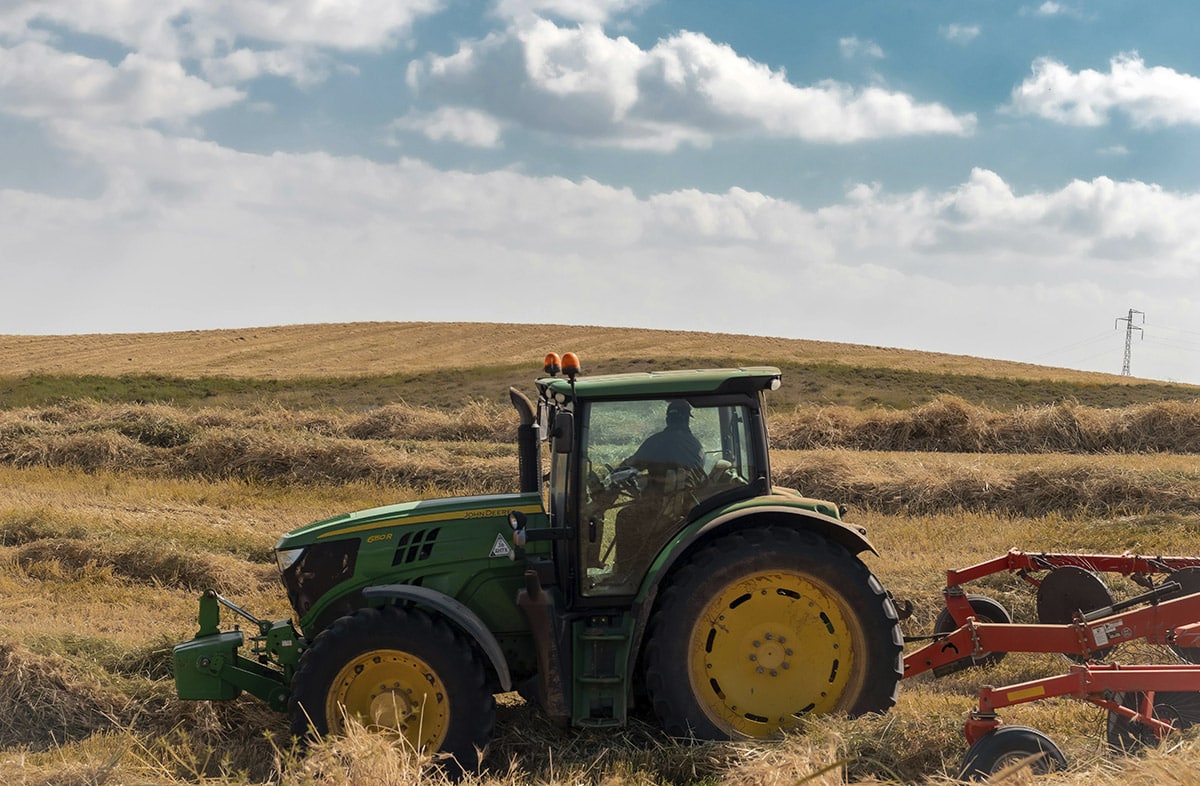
(763, 626)
(1006, 747)
(438, 698)
(1179, 708)
(986, 610)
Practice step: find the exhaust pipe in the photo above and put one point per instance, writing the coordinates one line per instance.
(529, 446)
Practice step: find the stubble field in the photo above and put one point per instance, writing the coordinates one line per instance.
(117, 510)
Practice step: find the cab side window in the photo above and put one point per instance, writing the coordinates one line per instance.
(647, 465)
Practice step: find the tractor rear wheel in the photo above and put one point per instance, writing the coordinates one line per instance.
(400, 672)
(764, 626)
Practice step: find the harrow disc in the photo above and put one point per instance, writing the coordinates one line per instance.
(1068, 590)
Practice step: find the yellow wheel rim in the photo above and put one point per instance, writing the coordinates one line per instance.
(770, 648)
(391, 691)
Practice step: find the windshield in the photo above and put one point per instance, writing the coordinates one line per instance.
(648, 464)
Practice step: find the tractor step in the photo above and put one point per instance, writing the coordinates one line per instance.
(601, 684)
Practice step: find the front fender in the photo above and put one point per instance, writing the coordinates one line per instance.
(451, 609)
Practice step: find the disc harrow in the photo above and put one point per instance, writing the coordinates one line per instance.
(1078, 617)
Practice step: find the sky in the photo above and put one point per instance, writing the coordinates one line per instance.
(998, 179)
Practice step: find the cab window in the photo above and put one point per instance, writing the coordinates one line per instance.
(646, 465)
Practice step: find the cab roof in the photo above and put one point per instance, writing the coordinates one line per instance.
(651, 384)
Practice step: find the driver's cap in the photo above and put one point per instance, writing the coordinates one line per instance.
(679, 409)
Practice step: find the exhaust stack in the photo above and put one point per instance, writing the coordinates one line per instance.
(529, 445)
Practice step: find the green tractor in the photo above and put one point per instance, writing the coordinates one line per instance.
(654, 565)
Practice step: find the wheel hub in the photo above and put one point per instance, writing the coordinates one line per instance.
(769, 655)
(394, 692)
(391, 708)
(770, 648)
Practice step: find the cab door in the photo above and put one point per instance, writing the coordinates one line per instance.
(628, 512)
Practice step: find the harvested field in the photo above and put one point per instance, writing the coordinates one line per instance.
(115, 515)
(920, 461)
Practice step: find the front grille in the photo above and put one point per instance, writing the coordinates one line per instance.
(322, 567)
(415, 546)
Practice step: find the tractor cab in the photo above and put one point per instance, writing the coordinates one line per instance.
(635, 457)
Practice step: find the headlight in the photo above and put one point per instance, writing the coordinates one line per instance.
(285, 558)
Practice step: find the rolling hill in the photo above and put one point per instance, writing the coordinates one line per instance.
(443, 364)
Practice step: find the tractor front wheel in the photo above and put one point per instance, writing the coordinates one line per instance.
(399, 672)
(764, 626)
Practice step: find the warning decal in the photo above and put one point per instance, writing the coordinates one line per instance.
(501, 548)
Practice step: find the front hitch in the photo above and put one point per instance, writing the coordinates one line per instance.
(209, 668)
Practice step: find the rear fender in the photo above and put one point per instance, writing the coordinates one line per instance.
(850, 537)
(459, 614)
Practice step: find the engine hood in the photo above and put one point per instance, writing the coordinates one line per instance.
(421, 512)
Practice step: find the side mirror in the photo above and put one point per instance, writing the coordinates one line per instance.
(563, 432)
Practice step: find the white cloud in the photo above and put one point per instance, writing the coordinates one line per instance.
(305, 67)
(290, 33)
(350, 25)
(581, 84)
(1149, 96)
(187, 234)
(1052, 8)
(853, 47)
(40, 82)
(588, 11)
(960, 33)
(464, 126)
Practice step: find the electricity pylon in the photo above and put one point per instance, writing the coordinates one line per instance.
(1129, 328)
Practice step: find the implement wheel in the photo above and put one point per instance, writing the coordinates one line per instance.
(1181, 709)
(1008, 747)
(984, 610)
(762, 627)
(399, 672)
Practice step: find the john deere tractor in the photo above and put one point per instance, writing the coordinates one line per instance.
(690, 585)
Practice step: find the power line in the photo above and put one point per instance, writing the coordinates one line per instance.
(1188, 346)
(1076, 345)
(1129, 328)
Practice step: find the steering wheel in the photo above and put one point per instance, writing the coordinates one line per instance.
(624, 479)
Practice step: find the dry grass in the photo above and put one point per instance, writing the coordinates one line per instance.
(364, 349)
(1025, 485)
(1111, 461)
(950, 424)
